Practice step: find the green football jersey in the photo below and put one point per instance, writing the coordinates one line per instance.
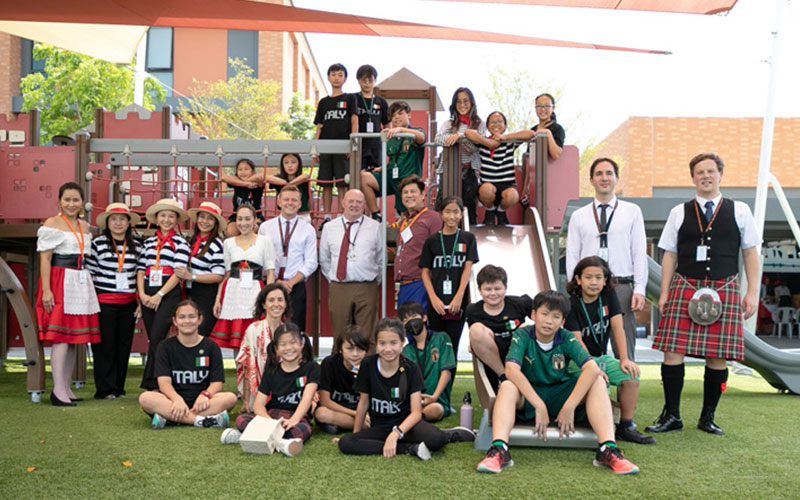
(405, 154)
(435, 358)
(542, 367)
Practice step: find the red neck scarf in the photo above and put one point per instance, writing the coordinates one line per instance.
(464, 119)
(197, 244)
(162, 240)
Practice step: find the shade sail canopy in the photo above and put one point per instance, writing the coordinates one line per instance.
(246, 15)
(677, 6)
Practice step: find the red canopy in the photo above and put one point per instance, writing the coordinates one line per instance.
(680, 6)
(247, 15)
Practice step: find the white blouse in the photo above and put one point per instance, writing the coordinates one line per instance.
(261, 252)
(61, 242)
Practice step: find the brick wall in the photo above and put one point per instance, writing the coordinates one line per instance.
(10, 73)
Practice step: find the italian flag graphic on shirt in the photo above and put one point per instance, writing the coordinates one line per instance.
(512, 324)
(376, 106)
(394, 392)
(201, 361)
(461, 247)
(300, 382)
(341, 104)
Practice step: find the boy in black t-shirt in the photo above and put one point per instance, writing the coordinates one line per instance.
(337, 397)
(190, 375)
(493, 320)
(372, 112)
(335, 119)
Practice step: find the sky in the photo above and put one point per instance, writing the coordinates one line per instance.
(717, 66)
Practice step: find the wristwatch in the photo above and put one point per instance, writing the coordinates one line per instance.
(398, 431)
(194, 277)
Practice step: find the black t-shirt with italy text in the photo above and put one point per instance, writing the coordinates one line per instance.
(438, 261)
(334, 113)
(192, 369)
(596, 336)
(285, 390)
(338, 380)
(386, 409)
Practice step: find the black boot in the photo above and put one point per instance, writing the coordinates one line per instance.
(666, 422)
(706, 422)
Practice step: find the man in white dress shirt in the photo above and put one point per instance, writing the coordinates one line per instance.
(350, 256)
(613, 230)
(295, 244)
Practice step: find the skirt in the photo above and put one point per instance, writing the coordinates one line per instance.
(678, 333)
(59, 326)
(236, 314)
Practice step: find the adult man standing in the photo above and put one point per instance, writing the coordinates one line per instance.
(295, 244)
(416, 225)
(700, 303)
(350, 256)
(613, 230)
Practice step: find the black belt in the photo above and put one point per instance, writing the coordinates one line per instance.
(625, 280)
(236, 270)
(65, 260)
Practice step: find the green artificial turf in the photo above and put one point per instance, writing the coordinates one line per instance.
(82, 452)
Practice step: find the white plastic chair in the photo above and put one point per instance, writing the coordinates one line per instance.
(784, 316)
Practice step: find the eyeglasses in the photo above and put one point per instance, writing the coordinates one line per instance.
(544, 106)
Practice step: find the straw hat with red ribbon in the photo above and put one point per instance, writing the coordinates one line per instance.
(117, 209)
(209, 208)
(166, 204)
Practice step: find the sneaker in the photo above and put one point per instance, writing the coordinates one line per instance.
(459, 435)
(290, 447)
(496, 460)
(377, 217)
(421, 451)
(614, 459)
(230, 436)
(330, 429)
(632, 435)
(158, 422)
(502, 218)
(220, 420)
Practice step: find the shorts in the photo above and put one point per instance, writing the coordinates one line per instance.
(500, 187)
(392, 189)
(333, 167)
(610, 366)
(554, 397)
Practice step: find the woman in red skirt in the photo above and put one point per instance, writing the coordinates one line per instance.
(66, 303)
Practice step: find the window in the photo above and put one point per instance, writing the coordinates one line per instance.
(158, 61)
(28, 63)
(243, 44)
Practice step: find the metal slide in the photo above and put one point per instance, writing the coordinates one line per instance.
(781, 369)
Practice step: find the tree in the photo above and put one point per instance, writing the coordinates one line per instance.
(299, 122)
(243, 107)
(514, 95)
(72, 85)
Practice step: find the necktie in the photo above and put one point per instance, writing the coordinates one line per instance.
(341, 270)
(709, 210)
(285, 246)
(603, 218)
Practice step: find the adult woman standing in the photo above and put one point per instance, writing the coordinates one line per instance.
(156, 280)
(249, 259)
(66, 304)
(463, 116)
(113, 267)
(206, 263)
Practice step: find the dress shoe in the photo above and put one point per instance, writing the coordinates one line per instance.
(57, 402)
(75, 399)
(631, 434)
(665, 423)
(706, 423)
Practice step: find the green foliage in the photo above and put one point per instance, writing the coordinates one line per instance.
(299, 121)
(513, 93)
(73, 85)
(243, 107)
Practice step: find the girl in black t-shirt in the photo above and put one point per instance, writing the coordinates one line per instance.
(337, 398)
(291, 173)
(446, 260)
(287, 389)
(391, 391)
(248, 189)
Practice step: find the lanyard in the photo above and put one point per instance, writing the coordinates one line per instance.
(604, 231)
(449, 264)
(369, 108)
(357, 221)
(285, 239)
(700, 222)
(589, 320)
(120, 258)
(405, 223)
(78, 236)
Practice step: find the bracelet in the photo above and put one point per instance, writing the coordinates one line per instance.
(160, 293)
(398, 431)
(206, 394)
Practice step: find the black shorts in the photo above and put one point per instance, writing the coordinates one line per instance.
(500, 187)
(333, 167)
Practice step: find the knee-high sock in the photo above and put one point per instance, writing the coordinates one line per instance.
(672, 378)
(714, 383)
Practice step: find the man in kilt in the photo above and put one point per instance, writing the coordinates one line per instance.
(700, 303)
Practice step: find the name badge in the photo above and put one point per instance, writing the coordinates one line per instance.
(370, 127)
(447, 287)
(406, 234)
(122, 281)
(395, 173)
(602, 252)
(351, 253)
(280, 261)
(82, 276)
(702, 253)
(246, 279)
(155, 278)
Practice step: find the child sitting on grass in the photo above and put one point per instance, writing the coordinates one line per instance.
(594, 308)
(188, 368)
(539, 385)
(337, 398)
(287, 390)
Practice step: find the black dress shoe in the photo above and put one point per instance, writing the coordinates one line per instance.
(706, 423)
(665, 423)
(632, 435)
(57, 402)
(75, 399)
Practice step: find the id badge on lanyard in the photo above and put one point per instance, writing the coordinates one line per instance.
(246, 279)
(602, 252)
(122, 281)
(447, 287)
(702, 253)
(370, 127)
(406, 235)
(395, 173)
(82, 276)
(155, 278)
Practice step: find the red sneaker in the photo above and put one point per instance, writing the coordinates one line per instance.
(613, 458)
(496, 460)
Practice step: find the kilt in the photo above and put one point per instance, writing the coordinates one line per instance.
(678, 333)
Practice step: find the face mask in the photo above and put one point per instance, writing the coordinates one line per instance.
(414, 326)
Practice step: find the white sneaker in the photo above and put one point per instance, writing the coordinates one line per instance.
(220, 420)
(423, 452)
(230, 436)
(291, 447)
(158, 422)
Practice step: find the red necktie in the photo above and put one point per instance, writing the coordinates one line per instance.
(341, 270)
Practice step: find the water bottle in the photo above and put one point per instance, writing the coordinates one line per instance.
(466, 412)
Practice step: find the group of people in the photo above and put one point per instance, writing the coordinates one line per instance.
(248, 292)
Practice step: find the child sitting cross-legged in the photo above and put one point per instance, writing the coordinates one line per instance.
(539, 385)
